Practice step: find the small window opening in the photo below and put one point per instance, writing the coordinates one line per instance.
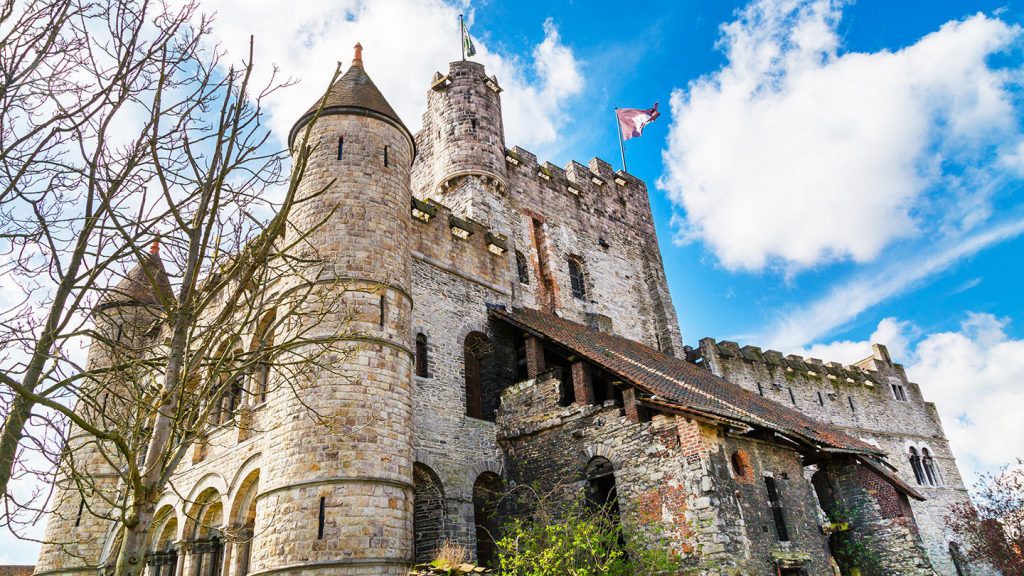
(521, 268)
(472, 124)
(262, 380)
(323, 512)
(792, 398)
(821, 401)
(915, 465)
(421, 355)
(385, 156)
(928, 463)
(739, 468)
(81, 508)
(898, 392)
(776, 505)
(341, 146)
(383, 309)
(760, 390)
(850, 400)
(577, 279)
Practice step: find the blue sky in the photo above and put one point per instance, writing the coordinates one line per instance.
(824, 174)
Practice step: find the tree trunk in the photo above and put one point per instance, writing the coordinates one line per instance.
(14, 430)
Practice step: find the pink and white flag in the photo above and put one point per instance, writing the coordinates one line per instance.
(633, 120)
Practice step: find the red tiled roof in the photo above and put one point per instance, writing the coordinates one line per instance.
(676, 382)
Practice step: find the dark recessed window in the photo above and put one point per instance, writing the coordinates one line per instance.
(775, 501)
(421, 355)
(521, 269)
(577, 279)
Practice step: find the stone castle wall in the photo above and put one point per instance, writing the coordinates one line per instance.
(858, 399)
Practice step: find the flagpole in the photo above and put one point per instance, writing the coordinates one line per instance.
(462, 37)
(622, 149)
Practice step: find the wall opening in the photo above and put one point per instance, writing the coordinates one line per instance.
(486, 495)
(428, 513)
(421, 355)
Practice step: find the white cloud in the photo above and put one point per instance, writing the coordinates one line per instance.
(892, 332)
(973, 375)
(846, 300)
(405, 42)
(800, 154)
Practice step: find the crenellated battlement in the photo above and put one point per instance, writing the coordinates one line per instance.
(596, 177)
(812, 367)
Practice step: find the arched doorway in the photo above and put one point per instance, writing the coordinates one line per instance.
(429, 529)
(487, 492)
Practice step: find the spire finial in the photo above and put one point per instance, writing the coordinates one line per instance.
(154, 248)
(357, 60)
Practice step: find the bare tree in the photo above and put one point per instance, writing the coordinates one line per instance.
(991, 531)
(118, 127)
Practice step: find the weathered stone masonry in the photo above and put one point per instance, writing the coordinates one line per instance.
(517, 328)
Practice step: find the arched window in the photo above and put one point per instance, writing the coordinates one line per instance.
(262, 344)
(162, 558)
(959, 562)
(479, 370)
(577, 279)
(486, 493)
(928, 463)
(207, 548)
(421, 355)
(521, 269)
(915, 464)
(428, 517)
(244, 513)
(601, 491)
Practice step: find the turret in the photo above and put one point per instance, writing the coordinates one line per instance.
(78, 527)
(462, 161)
(338, 466)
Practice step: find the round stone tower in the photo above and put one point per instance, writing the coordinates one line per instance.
(338, 494)
(78, 530)
(463, 144)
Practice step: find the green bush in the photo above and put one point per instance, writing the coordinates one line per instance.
(580, 540)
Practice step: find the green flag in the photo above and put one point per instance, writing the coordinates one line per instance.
(467, 43)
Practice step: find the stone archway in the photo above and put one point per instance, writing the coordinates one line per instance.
(429, 518)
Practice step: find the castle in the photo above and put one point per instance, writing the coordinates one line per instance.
(524, 334)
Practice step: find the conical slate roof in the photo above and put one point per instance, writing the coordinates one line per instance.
(137, 287)
(353, 93)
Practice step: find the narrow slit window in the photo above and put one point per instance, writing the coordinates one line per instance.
(760, 390)
(776, 505)
(915, 466)
(81, 508)
(383, 309)
(321, 517)
(850, 400)
(821, 401)
(792, 398)
(421, 355)
(385, 156)
(577, 279)
(341, 146)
